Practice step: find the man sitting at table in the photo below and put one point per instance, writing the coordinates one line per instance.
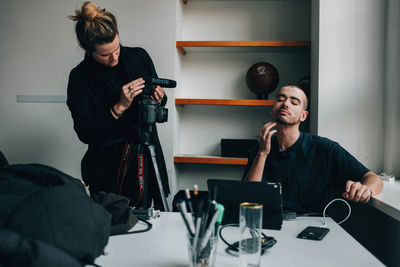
(306, 165)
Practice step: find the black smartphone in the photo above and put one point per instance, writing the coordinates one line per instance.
(313, 232)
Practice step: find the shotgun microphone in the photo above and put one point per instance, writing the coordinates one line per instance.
(161, 82)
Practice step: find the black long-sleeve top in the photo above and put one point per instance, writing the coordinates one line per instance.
(92, 90)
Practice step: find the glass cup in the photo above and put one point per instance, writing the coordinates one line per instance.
(202, 254)
(250, 224)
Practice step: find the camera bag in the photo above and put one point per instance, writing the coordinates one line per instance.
(43, 204)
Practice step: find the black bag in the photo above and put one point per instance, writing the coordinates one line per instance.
(122, 218)
(41, 203)
(3, 160)
(16, 251)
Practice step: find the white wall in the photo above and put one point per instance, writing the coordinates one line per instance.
(313, 114)
(246, 20)
(351, 76)
(38, 48)
(37, 51)
(392, 95)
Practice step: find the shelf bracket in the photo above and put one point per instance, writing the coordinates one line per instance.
(182, 50)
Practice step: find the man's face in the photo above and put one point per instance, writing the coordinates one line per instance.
(107, 54)
(288, 108)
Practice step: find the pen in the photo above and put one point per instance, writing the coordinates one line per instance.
(189, 202)
(184, 218)
(211, 227)
(197, 229)
(195, 198)
(221, 208)
(187, 215)
(204, 217)
(215, 192)
(213, 208)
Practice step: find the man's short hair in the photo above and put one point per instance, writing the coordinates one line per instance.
(305, 102)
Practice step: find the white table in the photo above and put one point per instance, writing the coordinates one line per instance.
(165, 245)
(390, 194)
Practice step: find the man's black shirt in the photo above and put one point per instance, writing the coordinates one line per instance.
(308, 170)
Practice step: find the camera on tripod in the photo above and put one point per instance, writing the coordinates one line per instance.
(149, 111)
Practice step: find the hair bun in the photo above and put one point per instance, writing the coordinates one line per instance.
(94, 26)
(89, 11)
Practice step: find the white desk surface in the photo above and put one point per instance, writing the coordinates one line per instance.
(165, 245)
(390, 194)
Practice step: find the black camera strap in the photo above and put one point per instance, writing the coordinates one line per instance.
(141, 180)
(123, 165)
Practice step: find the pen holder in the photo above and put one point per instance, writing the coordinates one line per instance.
(202, 253)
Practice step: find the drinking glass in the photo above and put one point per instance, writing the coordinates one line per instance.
(250, 224)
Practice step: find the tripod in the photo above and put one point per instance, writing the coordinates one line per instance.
(146, 145)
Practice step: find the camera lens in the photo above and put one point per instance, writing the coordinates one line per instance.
(161, 115)
(150, 112)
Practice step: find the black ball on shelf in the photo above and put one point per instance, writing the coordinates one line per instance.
(262, 78)
(304, 84)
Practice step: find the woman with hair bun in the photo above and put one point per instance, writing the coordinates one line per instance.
(103, 94)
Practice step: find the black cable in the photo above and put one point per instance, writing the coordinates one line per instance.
(291, 215)
(149, 226)
(266, 241)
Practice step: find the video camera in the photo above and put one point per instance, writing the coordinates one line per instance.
(149, 111)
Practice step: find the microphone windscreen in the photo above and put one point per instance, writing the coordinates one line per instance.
(162, 82)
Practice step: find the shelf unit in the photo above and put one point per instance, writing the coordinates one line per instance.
(209, 160)
(223, 102)
(278, 46)
(180, 45)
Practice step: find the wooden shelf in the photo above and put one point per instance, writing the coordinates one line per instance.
(209, 160)
(223, 102)
(180, 45)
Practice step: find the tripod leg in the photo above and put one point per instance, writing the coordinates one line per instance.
(160, 186)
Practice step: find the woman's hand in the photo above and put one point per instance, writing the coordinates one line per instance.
(128, 92)
(158, 94)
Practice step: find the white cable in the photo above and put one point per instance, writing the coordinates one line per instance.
(348, 215)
